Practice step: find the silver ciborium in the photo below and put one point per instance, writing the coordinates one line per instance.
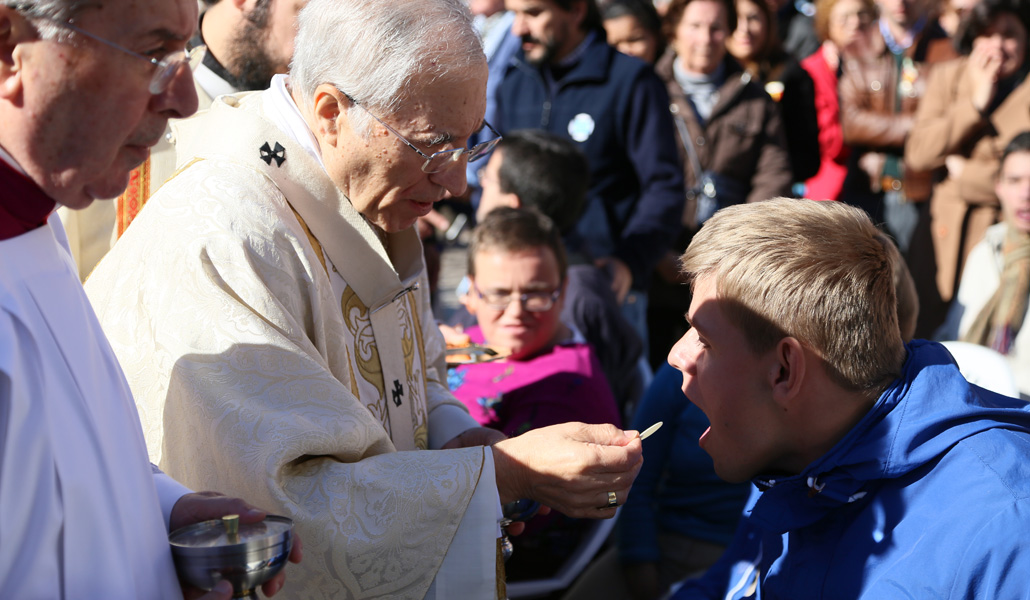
(245, 555)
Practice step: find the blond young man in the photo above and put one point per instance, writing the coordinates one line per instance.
(880, 468)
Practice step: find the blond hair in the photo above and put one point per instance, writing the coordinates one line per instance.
(816, 271)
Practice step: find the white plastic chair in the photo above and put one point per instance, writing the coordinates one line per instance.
(592, 541)
(984, 367)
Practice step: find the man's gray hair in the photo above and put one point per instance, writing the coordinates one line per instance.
(373, 49)
(47, 14)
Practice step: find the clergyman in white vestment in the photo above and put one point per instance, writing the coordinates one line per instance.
(80, 510)
(271, 311)
(83, 513)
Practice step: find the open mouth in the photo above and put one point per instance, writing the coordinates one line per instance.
(704, 436)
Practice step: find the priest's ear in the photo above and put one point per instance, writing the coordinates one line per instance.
(330, 106)
(15, 31)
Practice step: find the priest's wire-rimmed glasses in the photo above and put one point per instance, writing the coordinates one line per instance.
(167, 67)
(439, 161)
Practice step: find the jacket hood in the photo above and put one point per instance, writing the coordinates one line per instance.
(924, 413)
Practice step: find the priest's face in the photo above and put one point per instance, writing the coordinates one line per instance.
(382, 176)
(85, 116)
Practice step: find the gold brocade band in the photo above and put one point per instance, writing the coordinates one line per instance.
(502, 586)
(134, 197)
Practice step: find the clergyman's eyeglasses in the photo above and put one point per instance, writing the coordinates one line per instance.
(439, 161)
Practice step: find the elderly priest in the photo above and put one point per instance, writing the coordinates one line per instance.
(271, 309)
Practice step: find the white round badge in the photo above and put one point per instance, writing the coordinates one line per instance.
(581, 126)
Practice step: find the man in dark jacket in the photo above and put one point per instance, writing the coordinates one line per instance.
(566, 79)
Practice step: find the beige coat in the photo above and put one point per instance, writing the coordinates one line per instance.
(255, 375)
(963, 205)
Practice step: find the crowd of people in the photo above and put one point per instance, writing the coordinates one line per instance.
(870, 102)
(743, 219)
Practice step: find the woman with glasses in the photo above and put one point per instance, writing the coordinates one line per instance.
(549, 374)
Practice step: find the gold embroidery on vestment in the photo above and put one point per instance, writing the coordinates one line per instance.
(366, 354)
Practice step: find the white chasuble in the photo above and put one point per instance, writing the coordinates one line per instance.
(255, 375)
(79, 511)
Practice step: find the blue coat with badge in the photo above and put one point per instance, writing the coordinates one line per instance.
(617, 110)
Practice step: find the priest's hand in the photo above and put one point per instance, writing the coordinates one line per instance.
(570, 467)
(476, 436)
(205, 506)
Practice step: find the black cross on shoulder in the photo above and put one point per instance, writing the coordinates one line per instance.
(398, 392)
(278, 153)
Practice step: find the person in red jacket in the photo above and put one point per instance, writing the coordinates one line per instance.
(840, 25)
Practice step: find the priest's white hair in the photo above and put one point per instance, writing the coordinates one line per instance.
(372, 50)
(47, 13)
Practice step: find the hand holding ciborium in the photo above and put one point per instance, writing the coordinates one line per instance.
(244, 555)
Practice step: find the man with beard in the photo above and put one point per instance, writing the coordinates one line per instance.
(240, 45)
(248, 41)
(567, 80)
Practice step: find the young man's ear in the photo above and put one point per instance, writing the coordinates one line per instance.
(786, 374)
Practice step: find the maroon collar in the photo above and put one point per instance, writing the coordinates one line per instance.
(24, 206)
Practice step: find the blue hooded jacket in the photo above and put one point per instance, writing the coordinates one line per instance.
(927, 497)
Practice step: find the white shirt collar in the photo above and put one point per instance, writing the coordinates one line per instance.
(283, 111)
(211, 83)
